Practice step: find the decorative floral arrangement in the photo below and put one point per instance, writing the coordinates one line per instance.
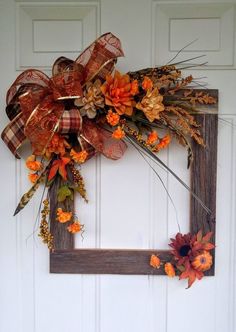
(191, 257)
(87, 108)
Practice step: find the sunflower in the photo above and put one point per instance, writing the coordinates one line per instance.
(187, 246)
(182, 246)
(191, 255)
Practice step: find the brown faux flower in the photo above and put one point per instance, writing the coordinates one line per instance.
(91, 100)
(151, 105)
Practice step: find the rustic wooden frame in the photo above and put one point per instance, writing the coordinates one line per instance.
(66, 259)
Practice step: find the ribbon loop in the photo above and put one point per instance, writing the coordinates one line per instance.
(36, 103)
(66, 85)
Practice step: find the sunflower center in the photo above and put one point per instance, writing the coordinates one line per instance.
(183, 251)
(203, 260)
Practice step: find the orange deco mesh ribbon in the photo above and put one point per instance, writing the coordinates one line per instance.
(36, 103)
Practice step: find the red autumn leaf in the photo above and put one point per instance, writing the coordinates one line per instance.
(207, 237)
(53, 170)
(190, 274)
(59, 165)
(197, 246)
(208, 246)
(62, 167)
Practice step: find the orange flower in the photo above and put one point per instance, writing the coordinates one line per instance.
(79, 157)
(62, 216)
(152, 138)
(33, 177)
(32, 164)
(169, 270)
(112, 118)
(57, 145)
(75, 227)
(147, 83)
(155, 262)
(119, 92)
(202, 262)
(118, 133)
(164, 142)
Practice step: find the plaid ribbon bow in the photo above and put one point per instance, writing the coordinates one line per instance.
(36, 103)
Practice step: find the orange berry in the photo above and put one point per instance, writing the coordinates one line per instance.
(118, 133)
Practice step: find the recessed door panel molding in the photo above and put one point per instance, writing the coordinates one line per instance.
(207, 28)
(69, 27)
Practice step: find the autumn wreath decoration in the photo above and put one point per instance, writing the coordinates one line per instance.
(87, 108)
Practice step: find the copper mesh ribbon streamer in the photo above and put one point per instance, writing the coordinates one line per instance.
(92, 137)
(102, 140)
(35, 102)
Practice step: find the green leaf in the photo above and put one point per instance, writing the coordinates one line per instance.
(63, 193)
(71, 196)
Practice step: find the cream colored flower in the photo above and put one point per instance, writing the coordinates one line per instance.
(151, 105)
(91, 100)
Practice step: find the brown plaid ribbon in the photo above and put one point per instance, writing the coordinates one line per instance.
(13, 135)
(71, 122)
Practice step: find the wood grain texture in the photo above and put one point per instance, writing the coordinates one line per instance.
(203, 181)
(62, 238)
(106, 261)
(65, 259)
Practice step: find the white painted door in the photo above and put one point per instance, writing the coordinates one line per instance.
(128, 207)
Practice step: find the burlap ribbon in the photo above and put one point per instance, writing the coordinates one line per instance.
(38, 105)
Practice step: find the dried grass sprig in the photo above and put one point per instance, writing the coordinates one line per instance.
(185, 122)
